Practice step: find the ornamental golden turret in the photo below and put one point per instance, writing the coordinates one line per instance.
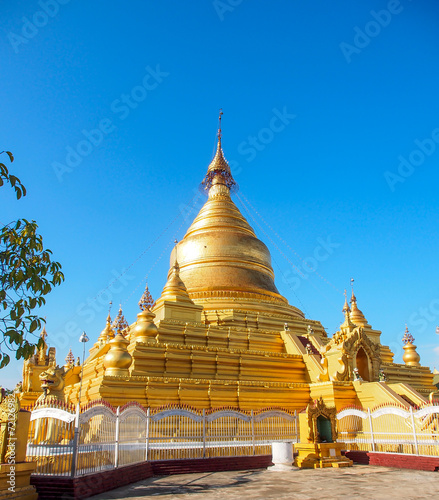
(356, 315)
(145, 327)
(410, 356)
(118, 359)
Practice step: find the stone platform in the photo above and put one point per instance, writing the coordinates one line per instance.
(366, 482)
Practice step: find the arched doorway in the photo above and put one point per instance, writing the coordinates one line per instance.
(324, 429)
(362, 363)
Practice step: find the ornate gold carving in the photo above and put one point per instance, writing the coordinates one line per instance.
(313, 412)
(52, 383)
(349, 342)
(344, 373)
(324, 376)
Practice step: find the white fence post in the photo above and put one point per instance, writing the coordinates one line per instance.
(371, 429)
(148, 417)
(75, 442)
(414, 430)
(253, 432)
(204, 433)
(116, 447)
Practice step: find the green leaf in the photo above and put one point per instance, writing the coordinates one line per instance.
(4, 360)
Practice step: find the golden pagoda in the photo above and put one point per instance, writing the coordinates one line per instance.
(221, 334)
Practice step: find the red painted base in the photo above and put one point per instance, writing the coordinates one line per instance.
(65, 488)
(394, 460)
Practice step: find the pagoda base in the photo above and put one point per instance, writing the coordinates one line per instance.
(15, 481)
(319, 455)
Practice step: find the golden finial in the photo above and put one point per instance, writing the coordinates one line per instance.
(146, 301)
(408, 337)
(70, 358)
(219, 125)
(218, 171)
(352, 288)
(109, 312)
(176, 252)
(120, 324)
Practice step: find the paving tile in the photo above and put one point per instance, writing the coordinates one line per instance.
(361, 481)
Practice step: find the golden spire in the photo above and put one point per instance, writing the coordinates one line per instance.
(70, 359)
(219, 125)
(347, 324)
(43, 333)
(356, 315)
(220, 256)
(346, 308)
(174, 289)
(107, 333)
(218, 171)
(42, 351)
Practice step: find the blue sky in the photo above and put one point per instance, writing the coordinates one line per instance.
(330, 124)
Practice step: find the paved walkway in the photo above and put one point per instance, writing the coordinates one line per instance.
(360, 481)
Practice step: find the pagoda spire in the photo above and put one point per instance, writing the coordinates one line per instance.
(42, 351)
(356, 315)
(219, 126)
(347, 325)
(218, 171)
(174, 289)
(107, 333)
(346, 308)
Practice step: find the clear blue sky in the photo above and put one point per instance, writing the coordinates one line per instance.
(356, 87)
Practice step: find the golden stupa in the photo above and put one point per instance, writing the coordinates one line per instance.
(221, 334)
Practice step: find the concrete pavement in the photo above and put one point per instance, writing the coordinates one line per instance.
(360, 481)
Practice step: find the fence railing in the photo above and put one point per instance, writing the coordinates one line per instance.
(68, 443)
(391, 429)
(100, 437)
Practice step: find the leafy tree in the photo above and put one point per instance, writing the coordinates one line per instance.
(27, 275)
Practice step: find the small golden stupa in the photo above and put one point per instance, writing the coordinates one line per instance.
(410, 356)
(221, 334)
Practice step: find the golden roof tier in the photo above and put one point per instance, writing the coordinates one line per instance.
(221, 259)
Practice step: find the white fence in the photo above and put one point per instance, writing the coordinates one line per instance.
(68, 443)
(391, 429)
(101, 437)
